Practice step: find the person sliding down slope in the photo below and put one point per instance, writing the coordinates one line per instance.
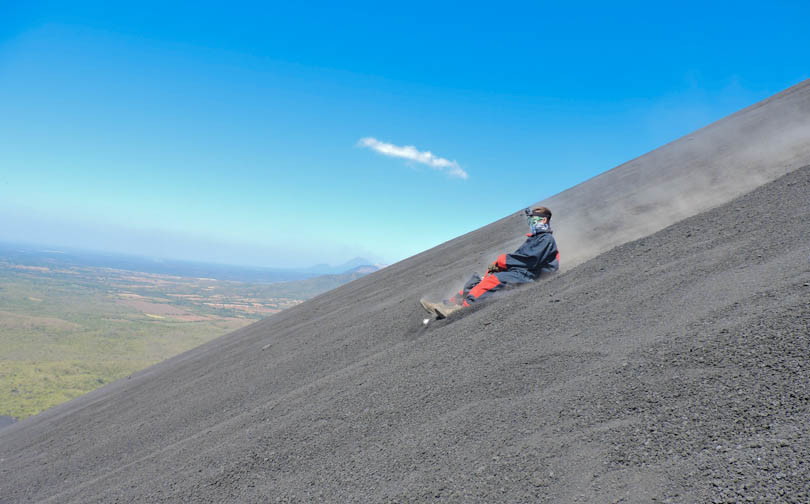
(537, 256)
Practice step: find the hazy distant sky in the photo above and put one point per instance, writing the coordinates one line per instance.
(289, 133)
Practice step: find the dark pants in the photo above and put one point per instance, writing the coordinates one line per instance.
(478, 288)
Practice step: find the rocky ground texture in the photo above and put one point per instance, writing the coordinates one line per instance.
(672, 368)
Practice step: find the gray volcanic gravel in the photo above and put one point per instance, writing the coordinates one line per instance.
(672, 368)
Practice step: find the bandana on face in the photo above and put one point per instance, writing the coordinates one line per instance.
(537, 225)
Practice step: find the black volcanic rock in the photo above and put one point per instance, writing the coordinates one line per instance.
(671, 368)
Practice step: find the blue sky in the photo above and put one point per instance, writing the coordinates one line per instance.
(263, 133)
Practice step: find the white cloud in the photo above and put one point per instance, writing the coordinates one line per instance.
(413, 154)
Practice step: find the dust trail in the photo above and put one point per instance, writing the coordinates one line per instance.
(695, 173)
(451, 286)
(688, 176)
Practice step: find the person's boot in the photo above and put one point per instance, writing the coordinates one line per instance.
(444, 310)
(429, 307)
(441, 310)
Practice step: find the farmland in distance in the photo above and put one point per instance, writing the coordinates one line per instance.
(67, 328)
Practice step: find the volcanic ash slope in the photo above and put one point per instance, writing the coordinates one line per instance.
(671, 368)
